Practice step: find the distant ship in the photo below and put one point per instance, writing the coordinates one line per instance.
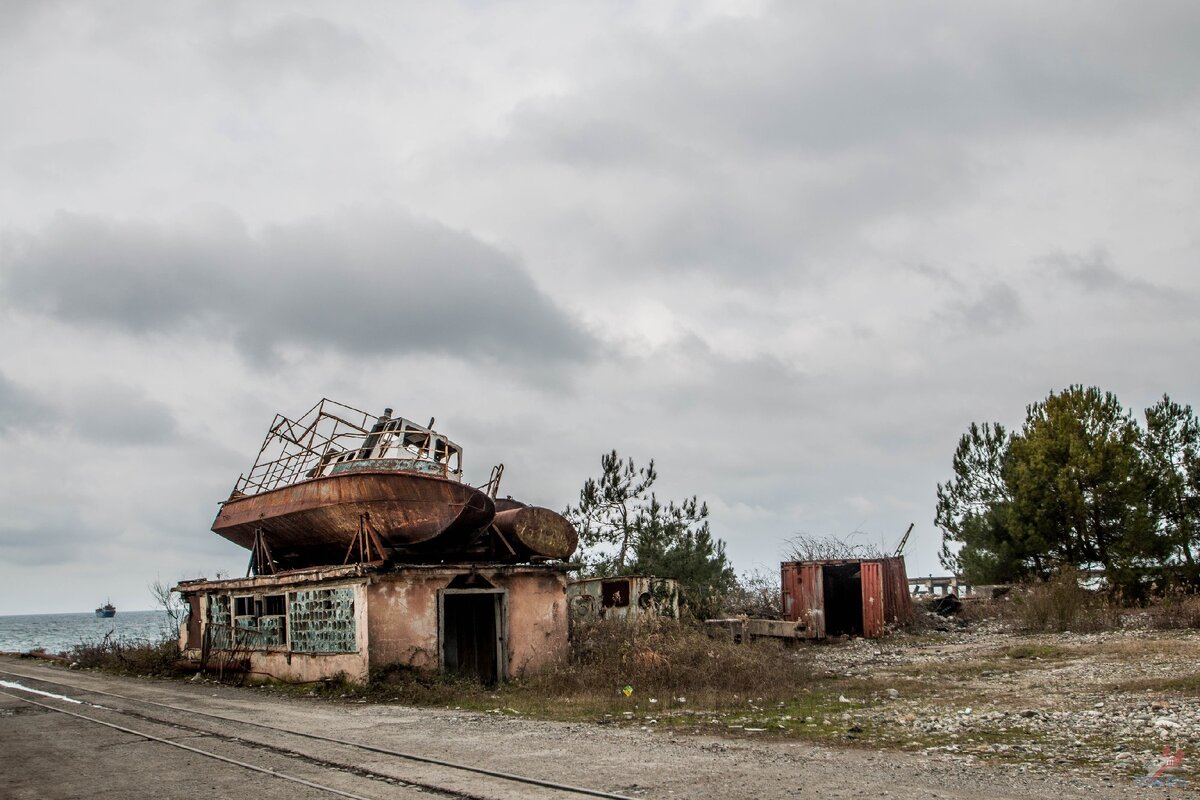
(106, 610)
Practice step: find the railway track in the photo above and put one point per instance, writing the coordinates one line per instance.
(328, 764)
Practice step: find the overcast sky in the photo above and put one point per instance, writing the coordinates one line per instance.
(790, 251)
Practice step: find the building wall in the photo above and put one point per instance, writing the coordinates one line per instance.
(329, 640)
(402, 621)
(403, 616)
(537, 622)
(628, 597)
(350, 622)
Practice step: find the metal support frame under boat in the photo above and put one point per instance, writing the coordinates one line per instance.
(366, 543)
(261, 561)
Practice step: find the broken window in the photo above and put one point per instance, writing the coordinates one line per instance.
(243, 607)
(261, 621)
(322, 621)
(614, 593)
(274, 605)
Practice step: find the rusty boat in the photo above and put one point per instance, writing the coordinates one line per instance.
(339, 485)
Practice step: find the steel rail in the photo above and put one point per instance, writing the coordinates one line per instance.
(508, 776)
(189, 748)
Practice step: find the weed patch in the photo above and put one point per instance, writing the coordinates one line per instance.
(132, 657)
(1061, 604)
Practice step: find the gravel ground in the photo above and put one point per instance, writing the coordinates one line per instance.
(951, 714)
(1104, 704)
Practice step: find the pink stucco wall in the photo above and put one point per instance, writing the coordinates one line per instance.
(396, 618)
(403, 616)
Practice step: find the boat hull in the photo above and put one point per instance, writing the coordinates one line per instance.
(315, 521)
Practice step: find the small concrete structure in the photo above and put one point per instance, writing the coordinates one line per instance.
(628, 597)
(488, 621)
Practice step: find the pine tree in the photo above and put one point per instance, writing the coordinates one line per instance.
(624, 529)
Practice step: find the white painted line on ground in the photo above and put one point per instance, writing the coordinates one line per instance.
(12, 685)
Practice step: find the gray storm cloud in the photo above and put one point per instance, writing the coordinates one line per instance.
(790, 251)
(385, 285)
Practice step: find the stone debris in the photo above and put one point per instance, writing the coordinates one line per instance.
(1060, 700)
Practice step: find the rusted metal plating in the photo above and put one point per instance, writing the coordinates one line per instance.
(334, 487)
(845, 596)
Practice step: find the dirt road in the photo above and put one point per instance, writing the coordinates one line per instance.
(50, 755)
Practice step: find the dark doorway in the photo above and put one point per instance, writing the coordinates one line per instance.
(843, 599)
(192, 601)
(471, 634)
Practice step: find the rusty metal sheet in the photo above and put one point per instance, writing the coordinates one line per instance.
(789, 589)
(540, 531)
(317, 519)
(803, 590)
(897, 602)
(812, 600)
(872, 599)
(885, 597)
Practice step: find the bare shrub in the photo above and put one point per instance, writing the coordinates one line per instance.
(128, 656)
(982, 609)
(755, 594)
(1177, 609)
(806, 547)
(1061, 604)
(171, 604)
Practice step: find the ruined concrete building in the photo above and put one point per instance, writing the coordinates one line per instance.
(628, 597)
(368, 551)
(485, 621)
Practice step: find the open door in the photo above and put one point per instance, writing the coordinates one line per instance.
(843, 597)
(192, 640)
(472, 633)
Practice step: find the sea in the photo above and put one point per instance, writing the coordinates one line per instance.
(58, 633)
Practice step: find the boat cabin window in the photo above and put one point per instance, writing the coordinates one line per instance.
(415, 438)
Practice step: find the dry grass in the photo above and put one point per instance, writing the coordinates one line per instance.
(670, 659)
(1188, 685)
(131, 657)
(670, 667)
(1171, 612)
(1061, 604)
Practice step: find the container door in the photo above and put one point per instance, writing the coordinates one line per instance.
(789, 584)
(811, 609)
(872, 599)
